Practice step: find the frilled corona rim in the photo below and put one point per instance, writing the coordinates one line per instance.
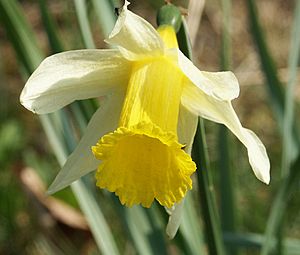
(143, 163)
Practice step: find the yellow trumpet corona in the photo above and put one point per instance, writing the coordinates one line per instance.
(142, 160)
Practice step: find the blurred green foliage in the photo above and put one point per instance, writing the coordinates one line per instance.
(27, 226)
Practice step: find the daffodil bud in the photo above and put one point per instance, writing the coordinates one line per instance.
(170, 15)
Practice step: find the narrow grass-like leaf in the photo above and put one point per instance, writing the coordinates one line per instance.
(206, 192)
(190, 226)
(53, 39)
(255, 242)
(227, 198)
(136, 222)
(98, 225)
(146, 235)
(184, 41)
(105, 13)
(227, 195)
(226, 47)
(267, 63)
(275, 89)
(22, 39)
(82, 15)
(21, 36)
(190, 229)
(90, 207)
(289, 183)
(144, 227)
(290, 171)
(288, 120)
(211, 221)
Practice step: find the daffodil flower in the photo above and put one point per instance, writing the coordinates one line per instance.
(139, 140)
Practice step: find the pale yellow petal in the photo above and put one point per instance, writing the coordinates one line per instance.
(187, 125)
(74, 75)
(174, 219)
(220, 85)
(82, 160)
(134, 36)
(222, 112)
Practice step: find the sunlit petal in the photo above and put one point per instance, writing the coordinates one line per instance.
(222, 112)
(74, 75)
(221, 85)
(135, 37)
(82, 160)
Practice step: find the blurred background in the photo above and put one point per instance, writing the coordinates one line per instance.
(257, 40)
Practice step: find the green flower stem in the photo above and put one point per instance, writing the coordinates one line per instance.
(211, 220)
(206, 193)
(227, 196)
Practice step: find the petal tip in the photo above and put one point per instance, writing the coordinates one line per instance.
(175, 219)
(263, 175)
(119, 24)
(49, 192)
(126, 4)
(170, 236)
(266, 179)
(52, 189)
(27, 104)
(57, 185)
